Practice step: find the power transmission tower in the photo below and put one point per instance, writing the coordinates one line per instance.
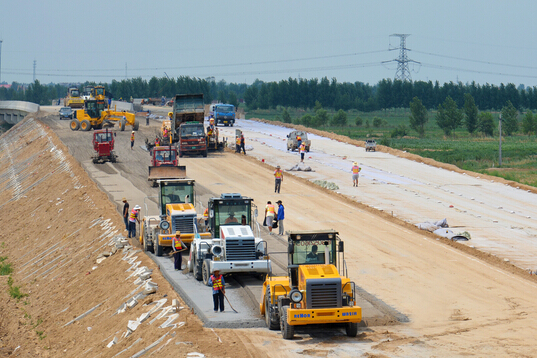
(0, 61)
(402, 73)
(34, 68)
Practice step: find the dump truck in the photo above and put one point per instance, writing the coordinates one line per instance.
(165, 164)
(73, 98)
(176, 213)
(295, 138)
(103, 144)
(223, 114)
(96, 115)
(232, 246)
(187, 124)
(316, 289)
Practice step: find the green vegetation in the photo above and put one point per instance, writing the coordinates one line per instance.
(5, 268)
(15, 291)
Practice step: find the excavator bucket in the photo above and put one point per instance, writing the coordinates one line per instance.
(165, 172)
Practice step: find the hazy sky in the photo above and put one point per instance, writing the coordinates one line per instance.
(239, 41)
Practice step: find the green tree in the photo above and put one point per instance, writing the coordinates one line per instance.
(306, 120)
(359, 121)
(339, 119)
(470, 110)
(317, 106)
(529, 123)
(485, 123)
(377, 122)
(321, 117)
(449, 116)
(418, 117)
(509, 118)
(286, 116)
(232, 99)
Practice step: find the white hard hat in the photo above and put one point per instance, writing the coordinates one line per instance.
(137, 207)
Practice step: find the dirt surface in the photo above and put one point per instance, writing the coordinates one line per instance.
(460, 300)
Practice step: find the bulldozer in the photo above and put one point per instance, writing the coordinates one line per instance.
(165, 164)
(176, 213)
(103, 144)
(96, 115)
(316, 290)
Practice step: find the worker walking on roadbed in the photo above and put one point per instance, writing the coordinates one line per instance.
(177, 247)
(126, 213)
(302, 151)
(355, 173)
(133, 218)
(269, 214)
(238, 144)
(242, 145)
(219, 290)
(278, 178)
(280, 217)
(132, 140)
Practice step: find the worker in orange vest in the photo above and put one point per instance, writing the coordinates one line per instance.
(269, 214)
(355, 173)
(302, 151)
(238, 144)
(219, 289)
(132, 140)
(177, 247)
(278, 178)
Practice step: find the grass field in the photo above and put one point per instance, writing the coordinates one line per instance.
(469, 152)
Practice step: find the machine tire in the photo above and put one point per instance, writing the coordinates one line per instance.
(270, 320)
(147, 245)
(74, 125)
(122, 125)
(351, 329)
(159, 250)
(196, 270)
(85, 125)
(205, 271)
(288, 331)
(180, 154)
(205, 153)
(136, 125)
(95, 160)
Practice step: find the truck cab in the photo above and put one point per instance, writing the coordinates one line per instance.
(223, 114)
(316, 290)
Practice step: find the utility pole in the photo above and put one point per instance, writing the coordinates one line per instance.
(402, 73)
(500, 130)
(125, 70)
(0, 61)
(34, 68)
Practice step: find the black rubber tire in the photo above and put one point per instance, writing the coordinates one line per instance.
(85, 125)
(205, 271)
(122, 125)
(270, 319)
(351, 329)
(196, 270)
(205, 153)
(74, 125)
(288, 331)
(159, 250)
(136, 125)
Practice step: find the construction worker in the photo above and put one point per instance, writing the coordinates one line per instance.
(132, 140)
(355, 173)
(231, 218)
(242, 145)
(298, 140)
(133, 218)
(219, 289)
(157, 142)
(278, 178)
(206, 216)
(238, 144)
(147, 118)
(177, 247)
(269, 214)
(280, 217)
(126, 213)
(302, 151)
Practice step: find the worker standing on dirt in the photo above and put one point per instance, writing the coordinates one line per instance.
(298, 140)
(219, 290)
(147, 118)
(132, 140)
(242, 145)
(269, 214)
(278, 178)
(238, 144)
(157, 142)
(126, 213)
(302, 151)
(280, 217)
(177, 246)
(355, 173)
(133, 218)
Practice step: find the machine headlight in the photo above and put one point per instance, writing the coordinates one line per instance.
(164, 225)
(216, 250)
(296, 296)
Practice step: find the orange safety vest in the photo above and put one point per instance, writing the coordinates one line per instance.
(270, 210)
(278, 173)
(302, 148)
(298, 138)
(238, 141)
(133, 215)
(217, 282)
(355, 169)
(206, 212)
(132, 137)
(177, 243)
(157, 142)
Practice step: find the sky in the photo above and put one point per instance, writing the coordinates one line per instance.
(239, 41)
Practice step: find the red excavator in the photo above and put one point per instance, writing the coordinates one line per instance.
(103, 144)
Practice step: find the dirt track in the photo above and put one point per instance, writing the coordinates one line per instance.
(458, 303)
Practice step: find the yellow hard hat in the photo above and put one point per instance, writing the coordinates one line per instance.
(178, 233)
(170, 114)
